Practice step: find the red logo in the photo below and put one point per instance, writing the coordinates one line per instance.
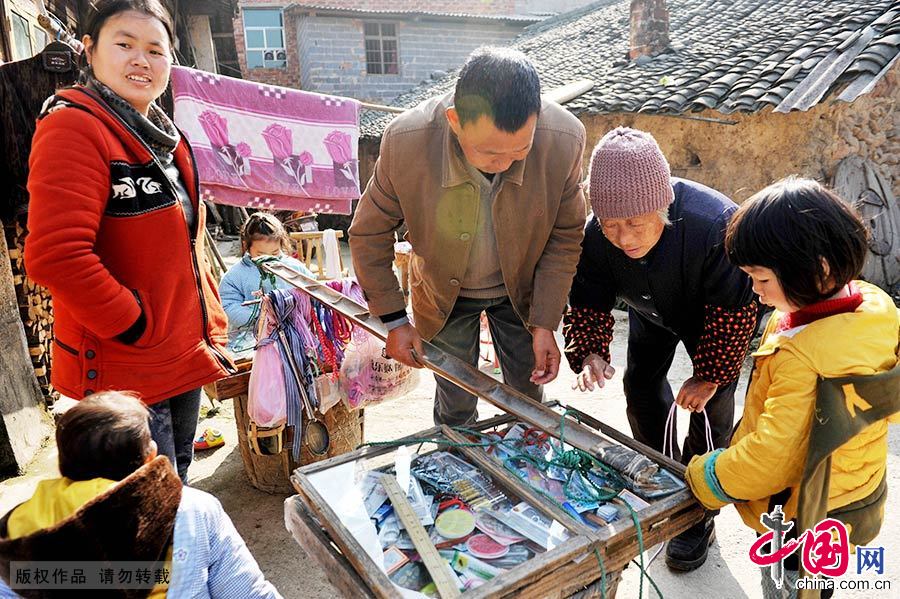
(825, 548)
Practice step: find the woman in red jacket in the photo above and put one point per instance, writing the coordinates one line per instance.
(116, 231)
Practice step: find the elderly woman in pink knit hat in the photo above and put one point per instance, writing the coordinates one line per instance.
(656, 243)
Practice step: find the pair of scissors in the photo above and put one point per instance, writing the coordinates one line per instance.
(454, 503)
(535, 437)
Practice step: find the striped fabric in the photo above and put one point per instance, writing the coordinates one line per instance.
(209, 557)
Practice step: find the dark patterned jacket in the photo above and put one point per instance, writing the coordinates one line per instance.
(24, 87)
(685, 285)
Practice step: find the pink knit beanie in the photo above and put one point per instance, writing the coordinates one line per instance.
(629, 175)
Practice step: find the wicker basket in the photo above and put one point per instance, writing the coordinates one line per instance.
(271, 473)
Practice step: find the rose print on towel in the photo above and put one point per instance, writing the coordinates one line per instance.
(297, 167)
(338, 145)
(234, 157)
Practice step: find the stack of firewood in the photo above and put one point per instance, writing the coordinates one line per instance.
(35, 308)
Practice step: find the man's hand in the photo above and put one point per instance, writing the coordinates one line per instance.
(596, 371)
(546, 356)
(399, 343)
(695, 393)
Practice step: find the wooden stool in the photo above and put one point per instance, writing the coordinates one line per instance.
(312, 241)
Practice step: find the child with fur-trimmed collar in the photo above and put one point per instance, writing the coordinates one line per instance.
(117, 501)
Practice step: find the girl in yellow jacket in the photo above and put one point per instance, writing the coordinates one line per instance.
(802, 246)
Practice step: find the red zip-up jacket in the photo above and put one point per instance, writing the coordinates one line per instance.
(108, 238)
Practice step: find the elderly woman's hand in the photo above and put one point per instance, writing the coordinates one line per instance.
(595, 371)
(695, 393)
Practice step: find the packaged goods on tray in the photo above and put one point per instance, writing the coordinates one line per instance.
(483, 526)
(479, 530)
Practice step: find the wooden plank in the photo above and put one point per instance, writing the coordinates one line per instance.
(364, 453)
(232, 386)
(23, 419)
(376, 580)
(623, 550)
(658, 510)
(316, 544)
(434, 563)
(548, 565)
(595, 589)
(575, 579)
(516, 485)
(307, 235)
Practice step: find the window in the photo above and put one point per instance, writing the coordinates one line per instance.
(41, 38)
(381, 49)
(21, 34)
(264, 36)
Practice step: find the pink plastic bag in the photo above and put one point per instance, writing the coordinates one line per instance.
(266, 404)
(370, 378)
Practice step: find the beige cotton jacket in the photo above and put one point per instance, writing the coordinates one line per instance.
(421, 179)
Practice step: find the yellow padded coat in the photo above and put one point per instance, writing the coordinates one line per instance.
(769, 446)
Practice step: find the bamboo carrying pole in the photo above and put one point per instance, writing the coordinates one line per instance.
(458, 371)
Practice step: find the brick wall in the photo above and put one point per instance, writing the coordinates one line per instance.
(649, 30)
(333, 57)
(289, 76)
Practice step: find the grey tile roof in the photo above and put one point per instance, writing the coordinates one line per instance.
(413, 12)
(731, 56)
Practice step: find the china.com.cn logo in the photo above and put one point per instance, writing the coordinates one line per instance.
(825, 548)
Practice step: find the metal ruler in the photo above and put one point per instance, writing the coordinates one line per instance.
(434, 563)
(461, 373)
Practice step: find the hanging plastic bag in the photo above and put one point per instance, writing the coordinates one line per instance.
(369, 378)
(328, 391)
(266, 403)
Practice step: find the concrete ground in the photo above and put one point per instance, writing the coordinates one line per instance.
(258, 516)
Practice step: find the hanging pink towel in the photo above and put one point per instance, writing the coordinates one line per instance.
(262, 146)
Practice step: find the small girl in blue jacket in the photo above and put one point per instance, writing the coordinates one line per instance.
(262, 235)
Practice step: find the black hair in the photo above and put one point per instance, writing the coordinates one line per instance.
(106, 9)
(499, 83)
(106, 435)
(263, 225)
(790, 227)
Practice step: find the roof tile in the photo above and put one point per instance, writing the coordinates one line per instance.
(742, 55)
